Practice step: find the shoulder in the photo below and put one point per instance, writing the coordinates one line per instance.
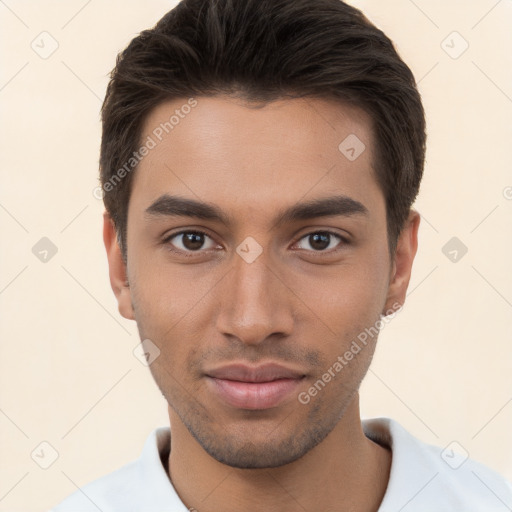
(115, 491)
(425, 477)
(140, 485)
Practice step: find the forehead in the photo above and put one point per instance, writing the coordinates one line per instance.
(226, 151)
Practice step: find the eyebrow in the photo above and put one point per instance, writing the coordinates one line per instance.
(175, 206)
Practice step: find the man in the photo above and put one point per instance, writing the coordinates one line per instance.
(259, 162)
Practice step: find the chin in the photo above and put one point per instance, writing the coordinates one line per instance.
(248, 452)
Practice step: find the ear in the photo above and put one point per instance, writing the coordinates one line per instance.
(117, 269)
(405, 252)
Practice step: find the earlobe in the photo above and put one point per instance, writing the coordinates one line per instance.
(405, 252)
(117, 269)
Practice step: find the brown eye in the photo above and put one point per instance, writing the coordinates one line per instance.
(193, 241)
(320, 241)
(190, 241)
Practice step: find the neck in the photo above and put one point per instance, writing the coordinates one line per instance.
(346, 471)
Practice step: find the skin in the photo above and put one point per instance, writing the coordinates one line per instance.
(296, 304)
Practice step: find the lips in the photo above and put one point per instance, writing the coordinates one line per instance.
(263, 373)
(247, 387)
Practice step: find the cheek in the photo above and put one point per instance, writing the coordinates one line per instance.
(165, 295)
(347, 298)
(350, 306)
(170, 307)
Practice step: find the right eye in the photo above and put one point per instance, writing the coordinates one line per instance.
(190, 241)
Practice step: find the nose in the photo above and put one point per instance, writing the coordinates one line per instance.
(255, 302)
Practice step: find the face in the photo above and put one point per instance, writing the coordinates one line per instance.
(257, 254)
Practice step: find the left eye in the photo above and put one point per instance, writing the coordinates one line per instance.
(321, 240)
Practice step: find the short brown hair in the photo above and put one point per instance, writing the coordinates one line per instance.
(264, 50)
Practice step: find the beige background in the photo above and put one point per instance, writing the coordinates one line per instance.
(67, 373)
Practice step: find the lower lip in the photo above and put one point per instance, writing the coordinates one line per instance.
(253, 395)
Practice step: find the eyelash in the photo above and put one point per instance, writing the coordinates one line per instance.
(188, 254)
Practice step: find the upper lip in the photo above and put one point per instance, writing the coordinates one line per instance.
(263, 373)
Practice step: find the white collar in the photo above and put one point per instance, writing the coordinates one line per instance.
(420, 479)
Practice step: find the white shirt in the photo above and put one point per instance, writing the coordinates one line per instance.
(423, 478)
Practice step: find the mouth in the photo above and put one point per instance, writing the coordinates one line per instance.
(253, 388)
